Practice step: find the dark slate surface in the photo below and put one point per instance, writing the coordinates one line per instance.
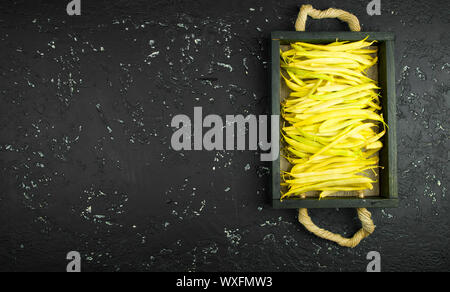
(85, 110)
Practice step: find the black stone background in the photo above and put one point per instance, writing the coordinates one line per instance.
(155, 209)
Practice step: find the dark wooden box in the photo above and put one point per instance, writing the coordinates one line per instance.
(388, 196)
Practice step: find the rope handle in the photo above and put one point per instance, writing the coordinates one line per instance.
(342, 15)
(363, 214)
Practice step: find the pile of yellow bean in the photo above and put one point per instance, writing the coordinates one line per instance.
(331, 125)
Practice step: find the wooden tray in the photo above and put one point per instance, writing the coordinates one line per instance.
(384, 193)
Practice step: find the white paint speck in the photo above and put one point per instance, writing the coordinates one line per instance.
(154, 54)
(225, 66)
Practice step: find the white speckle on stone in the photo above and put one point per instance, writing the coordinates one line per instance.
(154, 54)
(225, 66)
(233, 236)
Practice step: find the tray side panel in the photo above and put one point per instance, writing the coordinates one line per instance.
(275, 110)
(391, 120)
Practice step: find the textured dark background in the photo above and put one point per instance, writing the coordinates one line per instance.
(85, 164)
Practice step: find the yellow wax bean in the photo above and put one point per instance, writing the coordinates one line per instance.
(296, 79)
(349, 169)
(323, 178)
(342, 136)
(323, 105)
(333, 184)
(375, 145)
(364, 114)
(347, 91)
(338, 48)
(331, 88)
(320, 54)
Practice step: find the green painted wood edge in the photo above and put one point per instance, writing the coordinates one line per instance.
(392, 119)
(275, 110)
(306, 36)
(336, 203)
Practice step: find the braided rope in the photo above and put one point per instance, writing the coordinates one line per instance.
(364, 216)
(308, 10)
